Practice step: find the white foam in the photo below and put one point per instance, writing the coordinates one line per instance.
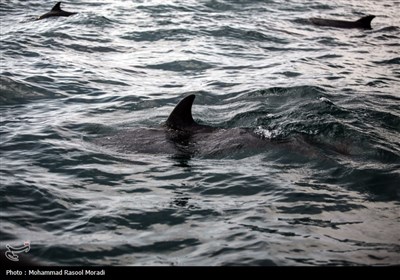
(265, 133)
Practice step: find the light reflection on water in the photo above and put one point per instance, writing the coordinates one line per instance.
(325, 194)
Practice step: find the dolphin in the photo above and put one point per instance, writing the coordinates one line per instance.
(364, 22)
(181, 135)
(56, 12)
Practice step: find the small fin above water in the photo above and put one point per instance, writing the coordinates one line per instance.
(57, 7)
(181, 116)
(365, 22)
(56, 12)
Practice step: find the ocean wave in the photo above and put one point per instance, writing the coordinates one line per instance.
(302, 167)
(15, 92)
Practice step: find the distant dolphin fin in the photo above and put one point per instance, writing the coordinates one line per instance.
(57, 7)
(181, 116)
(56, 12)
(365, 22)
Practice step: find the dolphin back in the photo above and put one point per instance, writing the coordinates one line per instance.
(364, 22)
(56, 11)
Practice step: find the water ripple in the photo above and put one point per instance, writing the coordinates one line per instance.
(321, 189)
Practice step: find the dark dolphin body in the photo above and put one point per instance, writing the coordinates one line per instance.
(182, 136)
(364, 22)
(56, 12)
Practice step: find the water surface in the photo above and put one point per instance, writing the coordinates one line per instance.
(328, 195)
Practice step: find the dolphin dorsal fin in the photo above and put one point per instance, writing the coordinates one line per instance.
(365, 22)
(56, 7)
(181, 116)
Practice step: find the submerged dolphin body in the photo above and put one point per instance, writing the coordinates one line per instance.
(364, 22)
(182, 136)
(56, 12)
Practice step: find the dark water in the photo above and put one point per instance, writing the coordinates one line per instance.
(326, 192)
